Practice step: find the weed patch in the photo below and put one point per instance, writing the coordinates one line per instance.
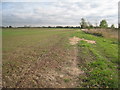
(66, 80)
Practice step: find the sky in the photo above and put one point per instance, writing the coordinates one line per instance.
(58, 12)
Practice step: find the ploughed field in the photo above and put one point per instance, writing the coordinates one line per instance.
(58, 58)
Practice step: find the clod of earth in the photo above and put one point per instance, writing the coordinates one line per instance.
(74, 40)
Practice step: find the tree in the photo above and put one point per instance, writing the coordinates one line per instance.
(10, 27)
(96, 24)
(83, 23)
(90, 25)
(112, 26)
(103, 24)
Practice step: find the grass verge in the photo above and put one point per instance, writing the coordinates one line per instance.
(99, 61)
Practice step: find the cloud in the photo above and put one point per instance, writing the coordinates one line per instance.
(119, 13)
(62, 12)
(30, 0)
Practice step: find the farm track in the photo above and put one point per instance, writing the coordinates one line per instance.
(57, 68)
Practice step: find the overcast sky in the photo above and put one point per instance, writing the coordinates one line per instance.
(58, 12)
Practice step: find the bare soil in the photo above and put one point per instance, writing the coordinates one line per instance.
(58, 68)
(74, 40)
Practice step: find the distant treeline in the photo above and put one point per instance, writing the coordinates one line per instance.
(43, 27)
(84, 24)
(93, 27)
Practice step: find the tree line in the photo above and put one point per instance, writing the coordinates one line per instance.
(103, 24)
(42, 27)
(83, 25)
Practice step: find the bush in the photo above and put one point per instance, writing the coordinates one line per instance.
(94, 33)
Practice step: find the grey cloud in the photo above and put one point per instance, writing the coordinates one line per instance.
(59, 13)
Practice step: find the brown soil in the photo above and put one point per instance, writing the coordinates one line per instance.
(55, 69)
